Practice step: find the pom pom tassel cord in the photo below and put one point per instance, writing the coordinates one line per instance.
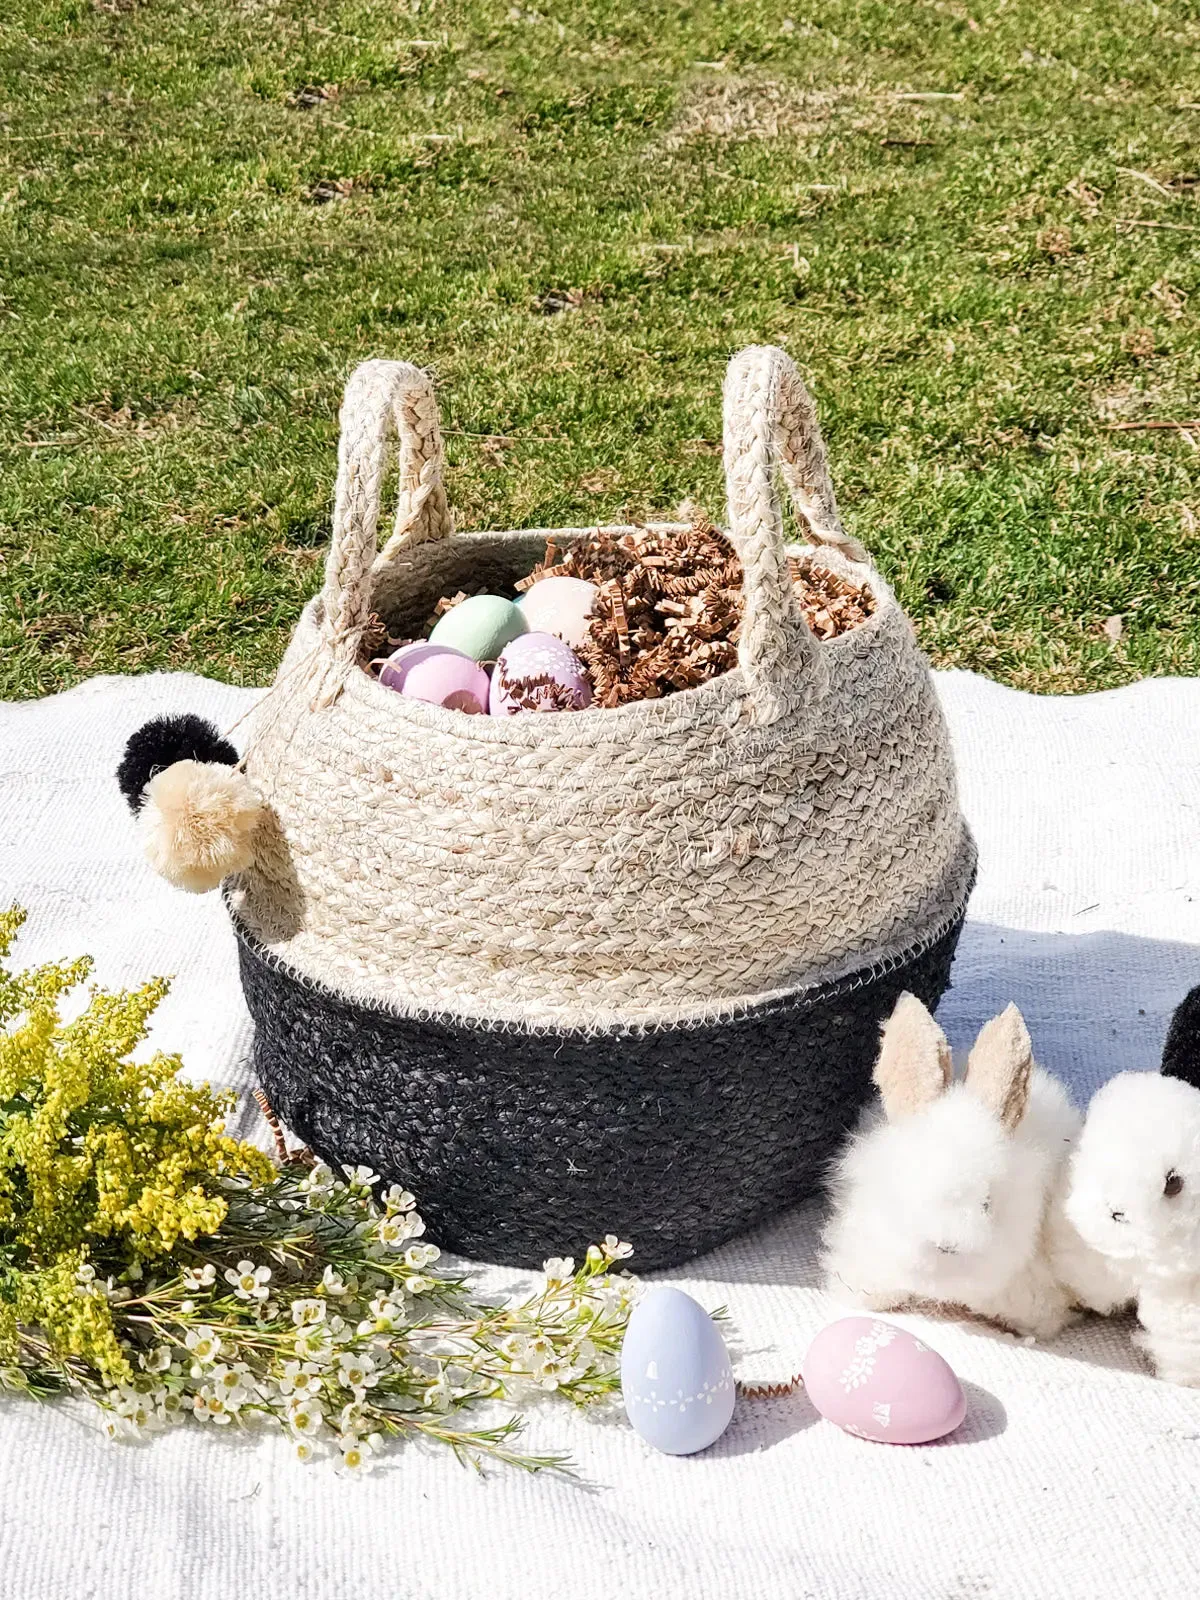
(197, 811)
(160, 743)
(196, 808)
(197, 824)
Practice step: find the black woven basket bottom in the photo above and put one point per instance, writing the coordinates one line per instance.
(521, 1145)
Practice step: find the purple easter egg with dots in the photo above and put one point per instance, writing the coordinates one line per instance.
(880, 1382)
(435, 673)
(533, 656)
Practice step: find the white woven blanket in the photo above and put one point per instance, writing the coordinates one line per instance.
(1075, 1475)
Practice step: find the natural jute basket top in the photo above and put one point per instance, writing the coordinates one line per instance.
(787, 823)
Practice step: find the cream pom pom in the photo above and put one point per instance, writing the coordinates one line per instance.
(197, 821)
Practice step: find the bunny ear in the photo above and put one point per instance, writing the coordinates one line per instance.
(914, 1060)
(1000, 1066)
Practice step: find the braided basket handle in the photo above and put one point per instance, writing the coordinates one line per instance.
(771, 422)
(384, 400)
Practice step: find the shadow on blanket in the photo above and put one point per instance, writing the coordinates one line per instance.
(1096, 1004)
(758, 1424)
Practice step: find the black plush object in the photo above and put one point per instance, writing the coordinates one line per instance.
(1181, 1053)
(521, 1144)
(162, 742)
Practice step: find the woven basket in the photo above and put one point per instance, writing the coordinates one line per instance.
(602, 971)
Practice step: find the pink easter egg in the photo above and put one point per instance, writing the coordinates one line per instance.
(538, 655)
(561, 606)
(881, 1382)
(435, 673)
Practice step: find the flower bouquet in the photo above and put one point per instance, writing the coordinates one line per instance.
(169, 1272)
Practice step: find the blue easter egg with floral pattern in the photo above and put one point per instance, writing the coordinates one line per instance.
(676, 1376)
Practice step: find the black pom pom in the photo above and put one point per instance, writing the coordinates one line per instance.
(1181, 1053)
(161, 743)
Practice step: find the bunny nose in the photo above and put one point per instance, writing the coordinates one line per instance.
(947, 1250)
(1117, 1216)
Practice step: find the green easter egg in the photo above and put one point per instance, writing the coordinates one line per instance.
(480, 627)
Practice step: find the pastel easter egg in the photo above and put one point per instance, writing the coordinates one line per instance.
(561, 606)
(676, 1378)
(479, 626)
(532, 657)
(443, 677)
(881, 1382)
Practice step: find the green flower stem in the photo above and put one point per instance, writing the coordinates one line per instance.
(168, 1272)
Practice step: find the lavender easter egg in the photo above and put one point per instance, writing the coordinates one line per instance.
(879, 1381)
(676, 1378)
(561, 606)
(528, 659)
(479, 627)
(442, 677)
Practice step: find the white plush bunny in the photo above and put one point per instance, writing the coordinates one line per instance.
(1133, 1196)
(1091, 1280)
(943, 1192)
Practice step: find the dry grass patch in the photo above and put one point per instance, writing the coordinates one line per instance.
(744, 109)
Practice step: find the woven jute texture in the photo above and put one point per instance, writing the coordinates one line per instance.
(522, 1145)
(673, 861)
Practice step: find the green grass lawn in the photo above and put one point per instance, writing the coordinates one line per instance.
(974, 224)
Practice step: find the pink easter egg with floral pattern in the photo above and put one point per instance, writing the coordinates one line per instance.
(877, 1380)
